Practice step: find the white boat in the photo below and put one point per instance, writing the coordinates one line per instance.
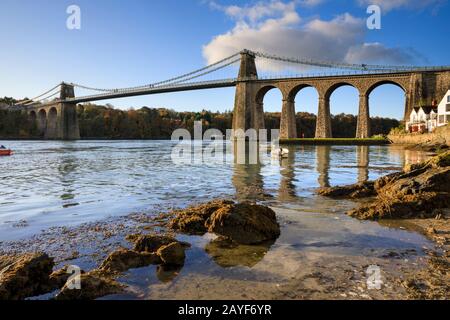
(280, 152)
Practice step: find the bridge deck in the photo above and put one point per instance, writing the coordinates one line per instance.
(225, 83)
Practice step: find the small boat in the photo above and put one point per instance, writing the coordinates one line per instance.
(5, 152)
(280, 152)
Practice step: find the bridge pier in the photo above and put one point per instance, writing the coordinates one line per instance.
(288, 125)
(53, 130)
(363, 127)
(323, 123)
(71, 129)
(41, 121)
(248, 113)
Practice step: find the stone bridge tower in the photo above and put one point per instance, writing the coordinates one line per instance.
(246, 113)
(58, 121)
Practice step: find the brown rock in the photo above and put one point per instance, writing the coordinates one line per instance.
(245, 223)
(59, 278)
(151, 243)
(123, 260)
(416, 192)
(431, 230)
(172, 254)
(360, 190)
(192, 220)
(408, 206)
(24, 276)
(94, 284)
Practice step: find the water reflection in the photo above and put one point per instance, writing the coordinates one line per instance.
(230, 254)
(166, 273)
(323, 159)
(362, 155)
(66, 169)
(405, 157)
(247, 178)
(286, 191)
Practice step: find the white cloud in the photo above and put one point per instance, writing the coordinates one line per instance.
(388, 5)
(377, 53)
(275, 27)
(259, 11)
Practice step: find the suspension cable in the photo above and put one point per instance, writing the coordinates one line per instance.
(45, 93)
(26, 102)
(161, 82)
(205, 73)
(40, 100)
(334, 65)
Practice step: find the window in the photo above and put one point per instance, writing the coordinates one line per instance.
(447, 118)
(441, 119)
(447, 108)
(448, 98)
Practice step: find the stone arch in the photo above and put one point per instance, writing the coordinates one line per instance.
(42, 121)
(398, 85)
(291, 98)
(296, 89)
(33, 116)
(338, 85)
(383, 82)
(261, 93)
(52, 122)
(260, 121)
(323, 125)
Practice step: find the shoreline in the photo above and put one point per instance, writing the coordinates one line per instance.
(335, 141)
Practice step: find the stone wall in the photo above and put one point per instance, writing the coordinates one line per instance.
(440, 135)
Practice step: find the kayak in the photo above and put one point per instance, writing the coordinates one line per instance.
(6, 152)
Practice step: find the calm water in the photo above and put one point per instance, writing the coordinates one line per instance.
(47, 184)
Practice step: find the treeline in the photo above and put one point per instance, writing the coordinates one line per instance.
(16, 124)
(106, 122)
(145, 123)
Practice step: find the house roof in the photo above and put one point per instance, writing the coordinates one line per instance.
(427, 110)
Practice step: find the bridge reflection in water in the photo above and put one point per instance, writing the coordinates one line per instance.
(362, 157)
(249, 180)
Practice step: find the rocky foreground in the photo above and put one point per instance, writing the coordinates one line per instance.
(32, 274)
(419, 194)
(421, 190)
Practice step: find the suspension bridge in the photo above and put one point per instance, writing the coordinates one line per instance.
(55, 109)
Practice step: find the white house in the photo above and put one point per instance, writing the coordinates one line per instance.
(422, 119)
(444, 110)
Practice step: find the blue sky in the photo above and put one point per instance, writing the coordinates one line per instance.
(128, 43)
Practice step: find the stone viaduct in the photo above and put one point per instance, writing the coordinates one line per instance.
(421, 88)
